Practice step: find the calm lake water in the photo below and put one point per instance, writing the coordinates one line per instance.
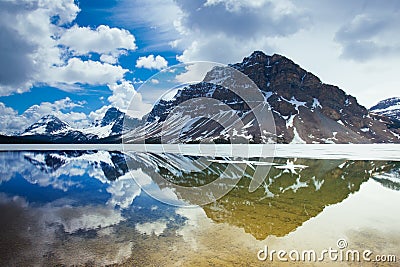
(86, 208)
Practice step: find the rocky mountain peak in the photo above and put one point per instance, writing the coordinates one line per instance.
(112, 114)
(305, 109)
(292, 88)
(46, 125)
(256, 56)
(262, 68)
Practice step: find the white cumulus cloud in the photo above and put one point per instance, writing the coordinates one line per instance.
(98, 114)
(151, 62)
(85, 72)
(40, 47)
(128, 100)
(110, 43)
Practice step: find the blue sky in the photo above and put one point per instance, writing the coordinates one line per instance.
(75, 59)
(93, 14)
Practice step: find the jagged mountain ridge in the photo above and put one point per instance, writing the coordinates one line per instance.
(305, 110)
(389, 107)
(47, 124)
(51, 129)
(162, 126)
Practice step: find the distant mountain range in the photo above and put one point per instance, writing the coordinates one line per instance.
(305, 110)
(390, 109)
(50, 129)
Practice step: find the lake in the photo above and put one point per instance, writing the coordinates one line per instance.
(98, 207)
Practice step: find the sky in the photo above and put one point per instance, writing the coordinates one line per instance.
(75, 59)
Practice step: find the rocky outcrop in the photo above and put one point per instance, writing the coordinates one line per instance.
(321, 113)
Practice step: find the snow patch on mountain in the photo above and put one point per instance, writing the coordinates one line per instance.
(99, 131)
(388, 107)
(47, 125)
(297, 139)
(316, 104)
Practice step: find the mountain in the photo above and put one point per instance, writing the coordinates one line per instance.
(295, 107)
(116, 119)
(389, 108)
(305, 110)
(186, 124)
(50, 129)
(111, 124)
(46, 125)
(110, 128)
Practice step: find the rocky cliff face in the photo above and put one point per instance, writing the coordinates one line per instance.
(305, 110)
(199, 121)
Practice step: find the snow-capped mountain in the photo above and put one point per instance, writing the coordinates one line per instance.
(51, 129)
(305, 110)
(162, 126)
(389, 108)
(111, 124)
(47, 125)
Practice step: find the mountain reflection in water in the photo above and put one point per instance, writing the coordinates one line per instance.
(84, 207)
